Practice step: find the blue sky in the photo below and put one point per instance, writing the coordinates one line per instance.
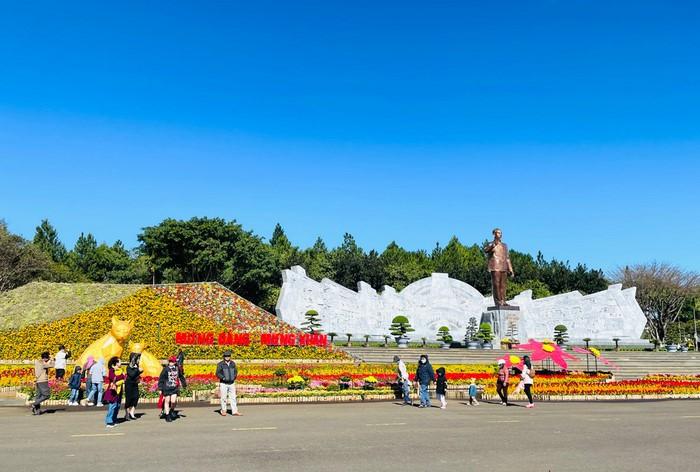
(573, 125)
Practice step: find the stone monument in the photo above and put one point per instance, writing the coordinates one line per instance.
(439, 300)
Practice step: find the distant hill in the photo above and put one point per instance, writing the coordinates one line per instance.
(41, 302)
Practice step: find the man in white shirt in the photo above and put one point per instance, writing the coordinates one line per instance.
(61, 357)
(403, 378)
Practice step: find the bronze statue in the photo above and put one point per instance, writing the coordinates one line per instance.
(499, 266)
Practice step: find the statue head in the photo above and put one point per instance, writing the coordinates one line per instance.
(497, 233)
(121, 329)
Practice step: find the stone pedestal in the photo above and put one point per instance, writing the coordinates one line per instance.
(500, 317)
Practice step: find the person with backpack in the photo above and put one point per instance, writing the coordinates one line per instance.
(527, 376)
(502, 382)
(74, 384)
(424, 375)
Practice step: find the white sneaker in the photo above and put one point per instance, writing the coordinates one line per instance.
(100, 404)
(90, 404)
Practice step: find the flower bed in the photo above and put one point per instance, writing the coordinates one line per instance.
(270, 379)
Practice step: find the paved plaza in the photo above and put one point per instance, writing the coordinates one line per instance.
(564, 436)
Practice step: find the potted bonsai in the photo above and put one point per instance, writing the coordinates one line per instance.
(470, 336)
(443, 335)
(349, 336)
(485, 334)
(400, 326)
(344, 382)
(560, 334)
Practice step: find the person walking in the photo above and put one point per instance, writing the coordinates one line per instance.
(227, 372)
(404, 380)
(41, 375)
(74, 384)
(97, 379)
(502, 382)
(86, 375)
(113, 395)
(441, 387)
(527, 378)
(169, 385)
(131, 386)
(424, 375)
(61, 361)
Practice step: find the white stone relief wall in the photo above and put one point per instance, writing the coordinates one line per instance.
(440, 301)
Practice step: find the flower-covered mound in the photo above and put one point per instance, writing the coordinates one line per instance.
(224, 307)
(157, 318)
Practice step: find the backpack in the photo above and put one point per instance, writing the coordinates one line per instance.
(532, 372)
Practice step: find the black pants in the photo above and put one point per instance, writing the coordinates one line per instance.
(43, 392)
(502, 391)
(528, 392)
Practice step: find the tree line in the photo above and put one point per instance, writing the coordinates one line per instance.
(213, 249)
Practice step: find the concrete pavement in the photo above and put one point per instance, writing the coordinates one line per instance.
(566, 436)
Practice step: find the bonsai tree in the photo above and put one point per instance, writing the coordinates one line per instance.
(470, 335)
(424, 341)
(331, 336)
(366, 336)
(400, 326)
(617, 343)
(560, 334)
(312, 325)
(443, 334)
(485, 333)
(512, 333)
(349, 335)
(279, 375)
(386, 340)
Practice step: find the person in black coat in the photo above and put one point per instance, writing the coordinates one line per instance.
(169, 385)
(441, 387)
(424, 375)
(131, 386)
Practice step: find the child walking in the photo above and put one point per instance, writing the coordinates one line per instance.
(472, 393)
(74, 384)
(441, 387)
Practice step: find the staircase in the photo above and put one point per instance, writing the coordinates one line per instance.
(632, 364)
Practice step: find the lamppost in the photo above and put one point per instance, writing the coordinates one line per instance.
(587, 340)
(695, 329)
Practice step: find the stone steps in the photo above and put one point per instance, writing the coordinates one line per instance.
(633, 364)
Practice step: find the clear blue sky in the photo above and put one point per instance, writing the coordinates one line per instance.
(573, 125)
